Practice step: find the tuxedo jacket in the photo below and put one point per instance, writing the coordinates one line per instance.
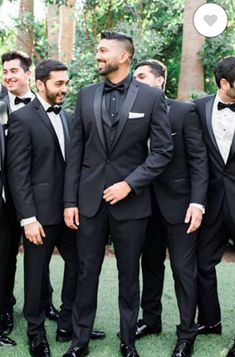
(185, 179)
(3, 110)
(3, 92)
(35, 164)
(91, 167)
(221, 175)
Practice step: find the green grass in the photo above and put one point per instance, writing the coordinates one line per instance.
(107, 317)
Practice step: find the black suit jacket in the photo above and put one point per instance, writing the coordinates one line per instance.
(35, 164)
(221, 175)
(91, 167)
(3, 92)
(186, 178)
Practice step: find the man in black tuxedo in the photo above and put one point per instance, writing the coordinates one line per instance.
(17, 75)
(36, 151)
(217, 114)
(178, 199)
(4, 224)
(3, 91)
(106, 187)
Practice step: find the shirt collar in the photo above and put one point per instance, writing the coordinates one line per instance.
(45, 104)
(12, 97)
(126, 81)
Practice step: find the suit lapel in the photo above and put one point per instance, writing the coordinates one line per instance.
(46, 121)
(97, 106)
(124, 111)
(66, 131)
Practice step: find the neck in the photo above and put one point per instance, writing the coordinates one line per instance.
(118, 76)
(22, 92)
(224, 97)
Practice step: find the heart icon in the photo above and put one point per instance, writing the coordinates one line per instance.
(210, 19)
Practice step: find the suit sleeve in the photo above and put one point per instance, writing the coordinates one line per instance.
(19, 153)
(196, 156)
(161, 147)
(73, 165)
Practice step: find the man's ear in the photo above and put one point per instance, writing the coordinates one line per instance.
(224, 84)
(124, 57)
(40, 85)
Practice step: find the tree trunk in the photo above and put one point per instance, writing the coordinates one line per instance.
(67, 31)
(53, 29)
(24, 39)
(191, 71)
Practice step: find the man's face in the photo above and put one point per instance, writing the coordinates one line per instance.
(108, 56)
(55, 88)
(15, 78)
(144, 74)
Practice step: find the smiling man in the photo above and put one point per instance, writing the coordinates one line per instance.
(37, 148)
(107, 177)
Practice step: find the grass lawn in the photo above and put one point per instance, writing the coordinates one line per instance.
(107, 317)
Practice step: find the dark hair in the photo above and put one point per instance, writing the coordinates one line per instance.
(157, 68)
(110, 35)
(25, 60)
(225, 69)
(45, 67)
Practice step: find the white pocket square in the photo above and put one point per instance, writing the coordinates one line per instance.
(172, 134)
(133, 115)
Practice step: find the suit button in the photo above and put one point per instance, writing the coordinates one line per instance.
(112, 128)
(107, 161)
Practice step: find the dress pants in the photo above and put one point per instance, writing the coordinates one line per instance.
(128, 238)
(9, 299)
(212, 242)
(36, 262)
(182, 252)
(4, 248)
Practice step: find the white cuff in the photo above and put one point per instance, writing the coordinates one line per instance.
(29, 220)
(198, 205)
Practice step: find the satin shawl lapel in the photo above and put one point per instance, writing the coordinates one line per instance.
(46, 121)
(209, 108)
(124, 111)
(97, 106)
(66, 131)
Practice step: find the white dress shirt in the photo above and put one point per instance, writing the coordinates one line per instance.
(223, 125)
(13, 106)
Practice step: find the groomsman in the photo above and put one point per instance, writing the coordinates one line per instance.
(178, 199)
(38, 142)
(17, 93)
(217, 114)
(4, 224)
(107, 183)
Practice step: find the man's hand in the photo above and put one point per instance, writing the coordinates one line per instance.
(195, 215)
(34, 233)
(116, 192)
(71, 217)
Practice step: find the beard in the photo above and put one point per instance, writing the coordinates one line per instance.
(108, 68)
(53, 98)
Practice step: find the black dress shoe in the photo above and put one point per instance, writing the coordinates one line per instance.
(143, 330)
(128, 351)
(38, 346)
(206, 330)
(77, 351)
(6, 341)
(6, 323)
(183, 349)
(63, 335)
(51, 312)
(97, 335)
(231, 351)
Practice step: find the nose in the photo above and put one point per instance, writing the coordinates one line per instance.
(97, 56)
(6, 76)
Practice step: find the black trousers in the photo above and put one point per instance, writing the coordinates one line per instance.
(9, 299)
(4, 248)
(212, 242)
(128, 238)
(36, 262)
(182, 252)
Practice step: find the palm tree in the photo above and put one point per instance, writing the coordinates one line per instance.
(191, 71)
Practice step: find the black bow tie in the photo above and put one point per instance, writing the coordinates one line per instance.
(55, 110)
(108, 87)
(223, 105)
(22, 100)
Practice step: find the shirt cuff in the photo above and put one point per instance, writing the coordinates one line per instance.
(29, 220)
(198, 205)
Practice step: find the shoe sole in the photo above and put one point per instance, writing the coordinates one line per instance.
(63, 339)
